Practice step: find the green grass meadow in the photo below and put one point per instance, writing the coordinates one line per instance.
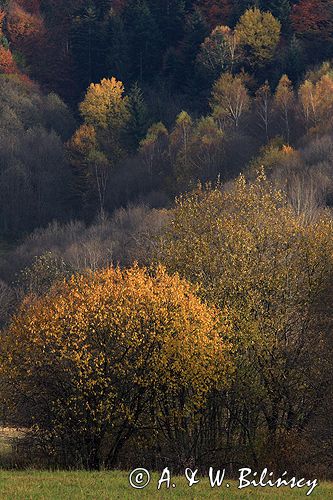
(58, 485)
(115, 485)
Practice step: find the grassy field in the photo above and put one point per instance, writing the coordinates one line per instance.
(115, 485)
(32, 484)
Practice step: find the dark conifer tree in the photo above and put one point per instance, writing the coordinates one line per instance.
(280, 9)
(139, 121)
(144, 40)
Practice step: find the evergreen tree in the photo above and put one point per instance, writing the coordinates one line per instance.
(139, 117)
(87, 41)
(280, 9)
(240, 6)
(144, 40)
(169, 16)
(295, 59)
(117, 53)
(195, 31)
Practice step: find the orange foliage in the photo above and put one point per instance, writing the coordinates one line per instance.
(24, 27)
(2, 17)
(288, 150)
(313, 18)
(32, 6)
(82, 144)
(216, 11)
(7, 63)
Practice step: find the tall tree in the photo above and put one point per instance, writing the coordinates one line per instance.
(316, 99)
(139, 118)
(153, 149)
(106, 113)
(144, 38)
(86, 44)
(169, 16)
(180, 147)
(264, 107)
(195, 31)
(284, 98)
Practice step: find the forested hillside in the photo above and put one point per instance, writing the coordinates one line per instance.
(189, 143)
(184, 90)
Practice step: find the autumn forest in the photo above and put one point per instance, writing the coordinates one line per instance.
(166, 233)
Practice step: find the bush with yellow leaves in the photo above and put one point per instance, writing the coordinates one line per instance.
(104, 353)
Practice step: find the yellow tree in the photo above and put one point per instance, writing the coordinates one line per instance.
(106, 112)
(104, 105)
(263, 101)
(104, 352)
(308, 100)
(315, 98)
(230, 99)
(284, 99)
(258, 34)
(324, 89)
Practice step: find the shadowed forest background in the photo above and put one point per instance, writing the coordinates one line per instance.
(166, 184)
